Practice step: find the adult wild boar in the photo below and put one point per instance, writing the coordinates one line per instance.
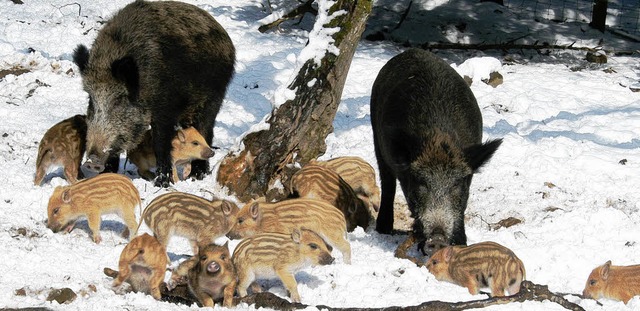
(427, 131)
(158, 64)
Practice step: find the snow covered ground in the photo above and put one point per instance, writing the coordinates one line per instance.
(568, 167)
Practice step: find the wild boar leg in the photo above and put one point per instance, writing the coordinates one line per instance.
(228, 294)
(155, 281)
(162, 136)
(384, 223)
(245, 278)
(290, 284)
(345, 248)
(94, 226)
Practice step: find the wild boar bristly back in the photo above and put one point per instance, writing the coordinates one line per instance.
(427, 130)
(132, 72)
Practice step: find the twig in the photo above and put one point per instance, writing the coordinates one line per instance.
(404, 15)
(306, 7)
(512, 46)
(69, 4)
(528, 292)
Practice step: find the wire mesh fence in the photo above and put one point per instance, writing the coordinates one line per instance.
(622, 15)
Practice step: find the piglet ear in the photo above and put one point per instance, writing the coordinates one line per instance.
(296, 235)
(604, 273)
(226, 207)
(478, 155)
(448, 253)
(254, 210)
(66, 196)
(181, 136)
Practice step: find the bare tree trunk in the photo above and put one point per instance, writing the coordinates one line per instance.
(599, 15)
(299, 127)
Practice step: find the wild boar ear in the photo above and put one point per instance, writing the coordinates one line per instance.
(181, 136)
(604, 273)
(226, 208)
(448, 253)
(126, 70)
(254, 210)
(296, 236)
(66, 196)
(81, 57)
(478, 155)
(402, 146)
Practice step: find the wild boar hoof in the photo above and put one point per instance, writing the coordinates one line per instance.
(162, 180)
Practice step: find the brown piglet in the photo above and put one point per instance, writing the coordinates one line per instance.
(142, 264)
(269, 255)
(485, 264)
(316, 182)
(285, 216)
(186, 146)
(613, 282)
(92, 197)
(62, 145)
(190, 216)
(210, 275)
(359, 174)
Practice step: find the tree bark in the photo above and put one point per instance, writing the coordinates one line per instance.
(599, 15)
(299, 127)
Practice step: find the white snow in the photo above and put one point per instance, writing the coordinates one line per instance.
(567, 127)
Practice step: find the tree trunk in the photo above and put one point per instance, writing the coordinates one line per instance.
(599, 15)
(299, 127)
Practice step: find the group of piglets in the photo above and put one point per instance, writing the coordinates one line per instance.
(63, 145)
(278, 239)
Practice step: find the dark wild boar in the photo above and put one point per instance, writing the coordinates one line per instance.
(427, 131)
(159, 64)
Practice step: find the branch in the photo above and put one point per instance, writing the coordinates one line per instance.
(512, 46)
(528, 292)
(404, 15)
(303, 9)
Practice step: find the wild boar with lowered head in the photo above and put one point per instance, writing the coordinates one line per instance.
(613, 282)
(427, 132)
(91, 198)
(199, 220)
(158, 64)
(271, 254)
(62, 145)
